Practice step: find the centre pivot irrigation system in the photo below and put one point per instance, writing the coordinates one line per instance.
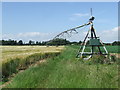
(95, 44)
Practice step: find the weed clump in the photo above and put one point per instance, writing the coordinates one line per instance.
(101, 60)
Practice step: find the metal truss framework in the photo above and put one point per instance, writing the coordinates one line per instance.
(94, 41)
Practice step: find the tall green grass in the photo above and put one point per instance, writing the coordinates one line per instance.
(66, 71)
(16, 64)
(113, 49)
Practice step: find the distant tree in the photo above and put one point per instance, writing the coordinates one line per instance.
(43, 43)
(107, 43)
(58, 41)
(31, 42)
(13, 42)
(8, 42)
(74, 43)
(20, 42)
(80, 42)
(0, 42)
(37, 43)
(116, 43)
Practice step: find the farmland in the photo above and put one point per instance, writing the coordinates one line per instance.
(15, 58)
(9, 52)
(63, 70)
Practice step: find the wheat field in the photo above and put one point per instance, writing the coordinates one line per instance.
(11, 52)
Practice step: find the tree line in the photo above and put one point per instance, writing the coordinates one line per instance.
(31, 42)
(50, 42)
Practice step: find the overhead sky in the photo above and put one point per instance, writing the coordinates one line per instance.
(43, 20)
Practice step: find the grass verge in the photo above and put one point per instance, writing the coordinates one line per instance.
(16, 64)
(66, 71)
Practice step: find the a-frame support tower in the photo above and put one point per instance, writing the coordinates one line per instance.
(94, 43)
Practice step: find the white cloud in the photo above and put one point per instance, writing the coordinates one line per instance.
(32, 34)
(105, 35)
(109, 35)
(36, 36)
(77, 16)
(80, 14)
